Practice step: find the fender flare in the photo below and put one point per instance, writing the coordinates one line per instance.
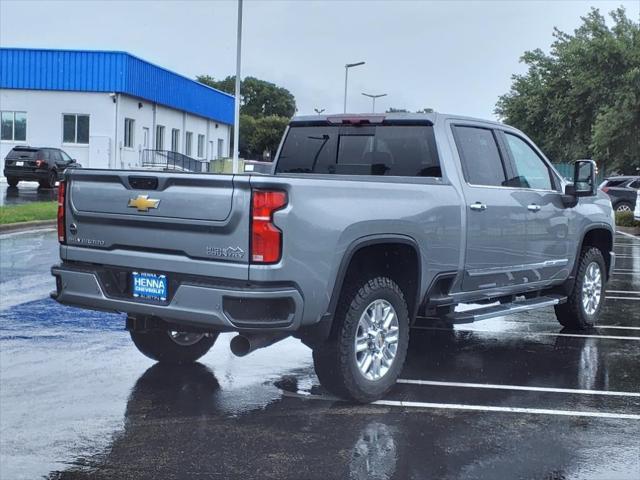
(572, 276)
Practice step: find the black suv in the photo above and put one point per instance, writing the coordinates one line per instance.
(45, 165)
(622, 191)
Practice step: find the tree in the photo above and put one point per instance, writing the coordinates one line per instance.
(265, 110)
(258, 98)
(582, 99)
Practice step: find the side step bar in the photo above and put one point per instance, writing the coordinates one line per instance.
(504, 309)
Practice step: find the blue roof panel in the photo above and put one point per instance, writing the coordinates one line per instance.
(105, 71)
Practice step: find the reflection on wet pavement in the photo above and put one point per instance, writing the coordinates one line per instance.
(26, 192)
(78, 401)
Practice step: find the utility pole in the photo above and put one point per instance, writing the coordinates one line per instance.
(346, 78)
(373, 98)
(236, 116)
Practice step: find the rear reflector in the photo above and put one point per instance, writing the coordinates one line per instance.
(62, 236)
(266, 238)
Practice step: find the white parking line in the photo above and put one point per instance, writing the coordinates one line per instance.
(619, 327)
(544, 334)
(627, 235)
(637, 299)
(516, 387)
(632, 292)
(489, 408)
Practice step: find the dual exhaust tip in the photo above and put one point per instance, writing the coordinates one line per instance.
(243, 344)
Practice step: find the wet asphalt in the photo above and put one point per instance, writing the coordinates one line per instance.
(25, 192)
(510, 398)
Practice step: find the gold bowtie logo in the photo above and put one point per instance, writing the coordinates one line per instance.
(143, 203)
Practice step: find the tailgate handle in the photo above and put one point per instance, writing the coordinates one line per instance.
(143, 183)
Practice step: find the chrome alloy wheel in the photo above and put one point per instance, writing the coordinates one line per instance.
(185, 339)
(623, 208)
(592, 288)
(376, 342)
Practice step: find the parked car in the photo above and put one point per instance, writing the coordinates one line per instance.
(366, 223)
(622, 191)
(44, 165)
(636, 212)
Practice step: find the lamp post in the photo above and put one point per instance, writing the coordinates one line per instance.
(373, 98)
(236, 117)
(346, 77)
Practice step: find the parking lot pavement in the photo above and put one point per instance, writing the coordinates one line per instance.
(511, 398)
(25, 192)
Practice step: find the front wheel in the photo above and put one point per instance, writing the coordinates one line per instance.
(365, 354)
(173, 347)
(583, 306)
(51, 180)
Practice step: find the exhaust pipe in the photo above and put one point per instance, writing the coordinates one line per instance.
(243, 344)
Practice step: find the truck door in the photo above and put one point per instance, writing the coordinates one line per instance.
(496, 229)
(547, 218)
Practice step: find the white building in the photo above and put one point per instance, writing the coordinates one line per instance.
(105, 109)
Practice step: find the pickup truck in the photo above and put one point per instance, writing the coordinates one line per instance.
(366, 223)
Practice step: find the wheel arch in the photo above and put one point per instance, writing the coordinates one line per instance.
(600, 236)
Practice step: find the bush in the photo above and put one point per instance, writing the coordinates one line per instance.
(625, 219)
(28, 212)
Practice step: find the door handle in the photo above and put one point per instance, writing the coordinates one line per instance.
(479, 207)
(533, 207)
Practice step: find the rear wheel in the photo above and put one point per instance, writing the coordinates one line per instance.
(583, 306)
(51, 180)
(623, 207)
(174, 347)
(12, 181)
(364, 356)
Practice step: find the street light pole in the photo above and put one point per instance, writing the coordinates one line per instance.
(236, 116)
(346, 77)
(373, 97)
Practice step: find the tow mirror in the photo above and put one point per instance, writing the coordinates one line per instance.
(584, 179)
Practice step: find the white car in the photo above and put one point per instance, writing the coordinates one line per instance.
(636, 212)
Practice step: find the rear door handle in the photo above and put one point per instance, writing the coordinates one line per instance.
(533, 207)
(479, 207)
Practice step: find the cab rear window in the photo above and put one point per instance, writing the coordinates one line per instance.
(392, 150)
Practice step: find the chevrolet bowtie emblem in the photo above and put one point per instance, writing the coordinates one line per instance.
(143, 203)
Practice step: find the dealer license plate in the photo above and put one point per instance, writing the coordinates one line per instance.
(149, 285)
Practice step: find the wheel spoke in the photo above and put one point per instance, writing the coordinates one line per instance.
(361, 344)
(389, 317)
(366, 362)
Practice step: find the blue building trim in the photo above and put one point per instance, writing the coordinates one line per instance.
(111, 71)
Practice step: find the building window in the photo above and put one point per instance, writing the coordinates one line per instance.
(145, 137)
(128, 132)
(175, 140)
(200, 146)
(14, 126)
(75, 128)
(188, 140)
(220, 147)
(159, 137)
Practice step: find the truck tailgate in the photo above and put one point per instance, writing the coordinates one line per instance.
(186, 223)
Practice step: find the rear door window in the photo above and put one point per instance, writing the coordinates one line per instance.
(392, 150)
(480, 157)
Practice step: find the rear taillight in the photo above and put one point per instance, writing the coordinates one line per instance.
(266, 238)
(62, 236)
(605, 189)
(41, 163)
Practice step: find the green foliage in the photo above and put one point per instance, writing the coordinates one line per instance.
(582, 100)
(28, 212)
(625, 219)
(265, 110)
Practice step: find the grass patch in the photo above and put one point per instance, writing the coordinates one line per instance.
(28, 212)
(625, 219)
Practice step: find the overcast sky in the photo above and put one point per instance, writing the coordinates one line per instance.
(453, 56)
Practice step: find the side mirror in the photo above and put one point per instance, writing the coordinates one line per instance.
(584, 179)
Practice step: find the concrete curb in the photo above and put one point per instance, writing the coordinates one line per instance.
(16, 227)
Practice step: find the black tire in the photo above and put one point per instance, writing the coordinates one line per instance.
(51, 180)
(623, 207)
(335, 360)
(12, 181)
(572, 314)
(158, 345)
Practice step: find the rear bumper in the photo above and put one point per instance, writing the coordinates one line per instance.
(22, 174)
(217, 307)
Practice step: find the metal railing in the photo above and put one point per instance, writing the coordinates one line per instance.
(169, 160)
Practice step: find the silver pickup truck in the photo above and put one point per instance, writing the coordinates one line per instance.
(364, 224)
